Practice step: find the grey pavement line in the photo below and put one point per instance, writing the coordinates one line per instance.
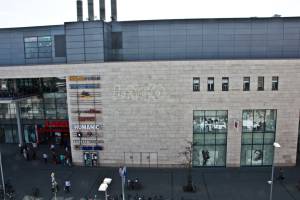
(93, 185)
(205, 186)
(287, 190)
(172, 185)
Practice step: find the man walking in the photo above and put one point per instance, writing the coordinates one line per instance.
(45, 157)
(67, 186)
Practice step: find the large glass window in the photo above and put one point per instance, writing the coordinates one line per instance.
(259, 127)
(209, 138)
(38, 47)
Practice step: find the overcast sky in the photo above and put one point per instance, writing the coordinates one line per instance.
(20, 13)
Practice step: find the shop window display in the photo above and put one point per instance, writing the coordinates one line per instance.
(258, 136)
(209, 130)
(43, 99)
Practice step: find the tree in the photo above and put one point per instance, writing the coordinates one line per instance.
(188, 162)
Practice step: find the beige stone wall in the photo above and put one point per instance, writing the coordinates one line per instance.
(148, 106)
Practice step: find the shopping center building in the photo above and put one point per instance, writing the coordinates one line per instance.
(137, 92)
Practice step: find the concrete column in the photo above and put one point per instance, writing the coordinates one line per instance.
(21, 141)
(114, 10)
(79, 10)
(234, 138)
(91, 10)
(102, 9)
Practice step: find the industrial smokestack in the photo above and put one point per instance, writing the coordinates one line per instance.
(79, 10)
(91, 9)
(114, 10)
(102, 9)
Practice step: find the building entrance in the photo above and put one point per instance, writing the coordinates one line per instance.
(53, 132)
(90, 158)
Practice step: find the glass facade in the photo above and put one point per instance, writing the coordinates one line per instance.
(209, 138)
(45, 100)
(38, 47)
(8, 127)
(258, 136)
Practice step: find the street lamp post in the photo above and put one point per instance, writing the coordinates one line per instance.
(2, 176)
(276, 145)
(123, 173)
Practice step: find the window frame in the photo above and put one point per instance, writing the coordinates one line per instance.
(260, 83)
(245, 82)
(275, 83)
(196, 86)
(211, 86)
(38, 47)
(225, 86)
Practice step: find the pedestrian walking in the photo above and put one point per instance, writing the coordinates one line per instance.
(25, 154)
(52, 147)
(54, 158)
(21, 148)
(33, 154)
(67, 186)
(85, 158)
(45, 157)
(280, 175)
(62, 159)
(34, 145)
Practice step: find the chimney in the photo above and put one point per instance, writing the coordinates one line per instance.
(114, 10)
(102, 9)
(91, 10)
(79, 10)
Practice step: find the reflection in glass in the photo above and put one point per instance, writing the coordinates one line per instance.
(210, 129)
(257, 141)
(248, 120)
(259, 120)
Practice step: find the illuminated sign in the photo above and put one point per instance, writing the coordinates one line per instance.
(87, 126)
(86, 119)
(57, 124)
(84, 86)
(84, 78)
(92, 110)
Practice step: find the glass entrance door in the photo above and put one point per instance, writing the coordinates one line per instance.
(90, 158)
(8, 134)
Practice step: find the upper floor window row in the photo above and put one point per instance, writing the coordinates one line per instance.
(38, 47)
(210, 84)
(225, 83)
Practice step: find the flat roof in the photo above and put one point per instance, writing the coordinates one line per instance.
(245, 19)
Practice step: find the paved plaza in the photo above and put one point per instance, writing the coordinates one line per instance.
(211, 183)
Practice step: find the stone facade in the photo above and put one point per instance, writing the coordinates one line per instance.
(148, 106)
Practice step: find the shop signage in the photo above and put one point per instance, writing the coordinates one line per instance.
(57, 124)
(87, 111)
(88, 148)
(77, 141)
(84, 86)
(84, 78)
(87, 126)
(52, 130)
(83, 119)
